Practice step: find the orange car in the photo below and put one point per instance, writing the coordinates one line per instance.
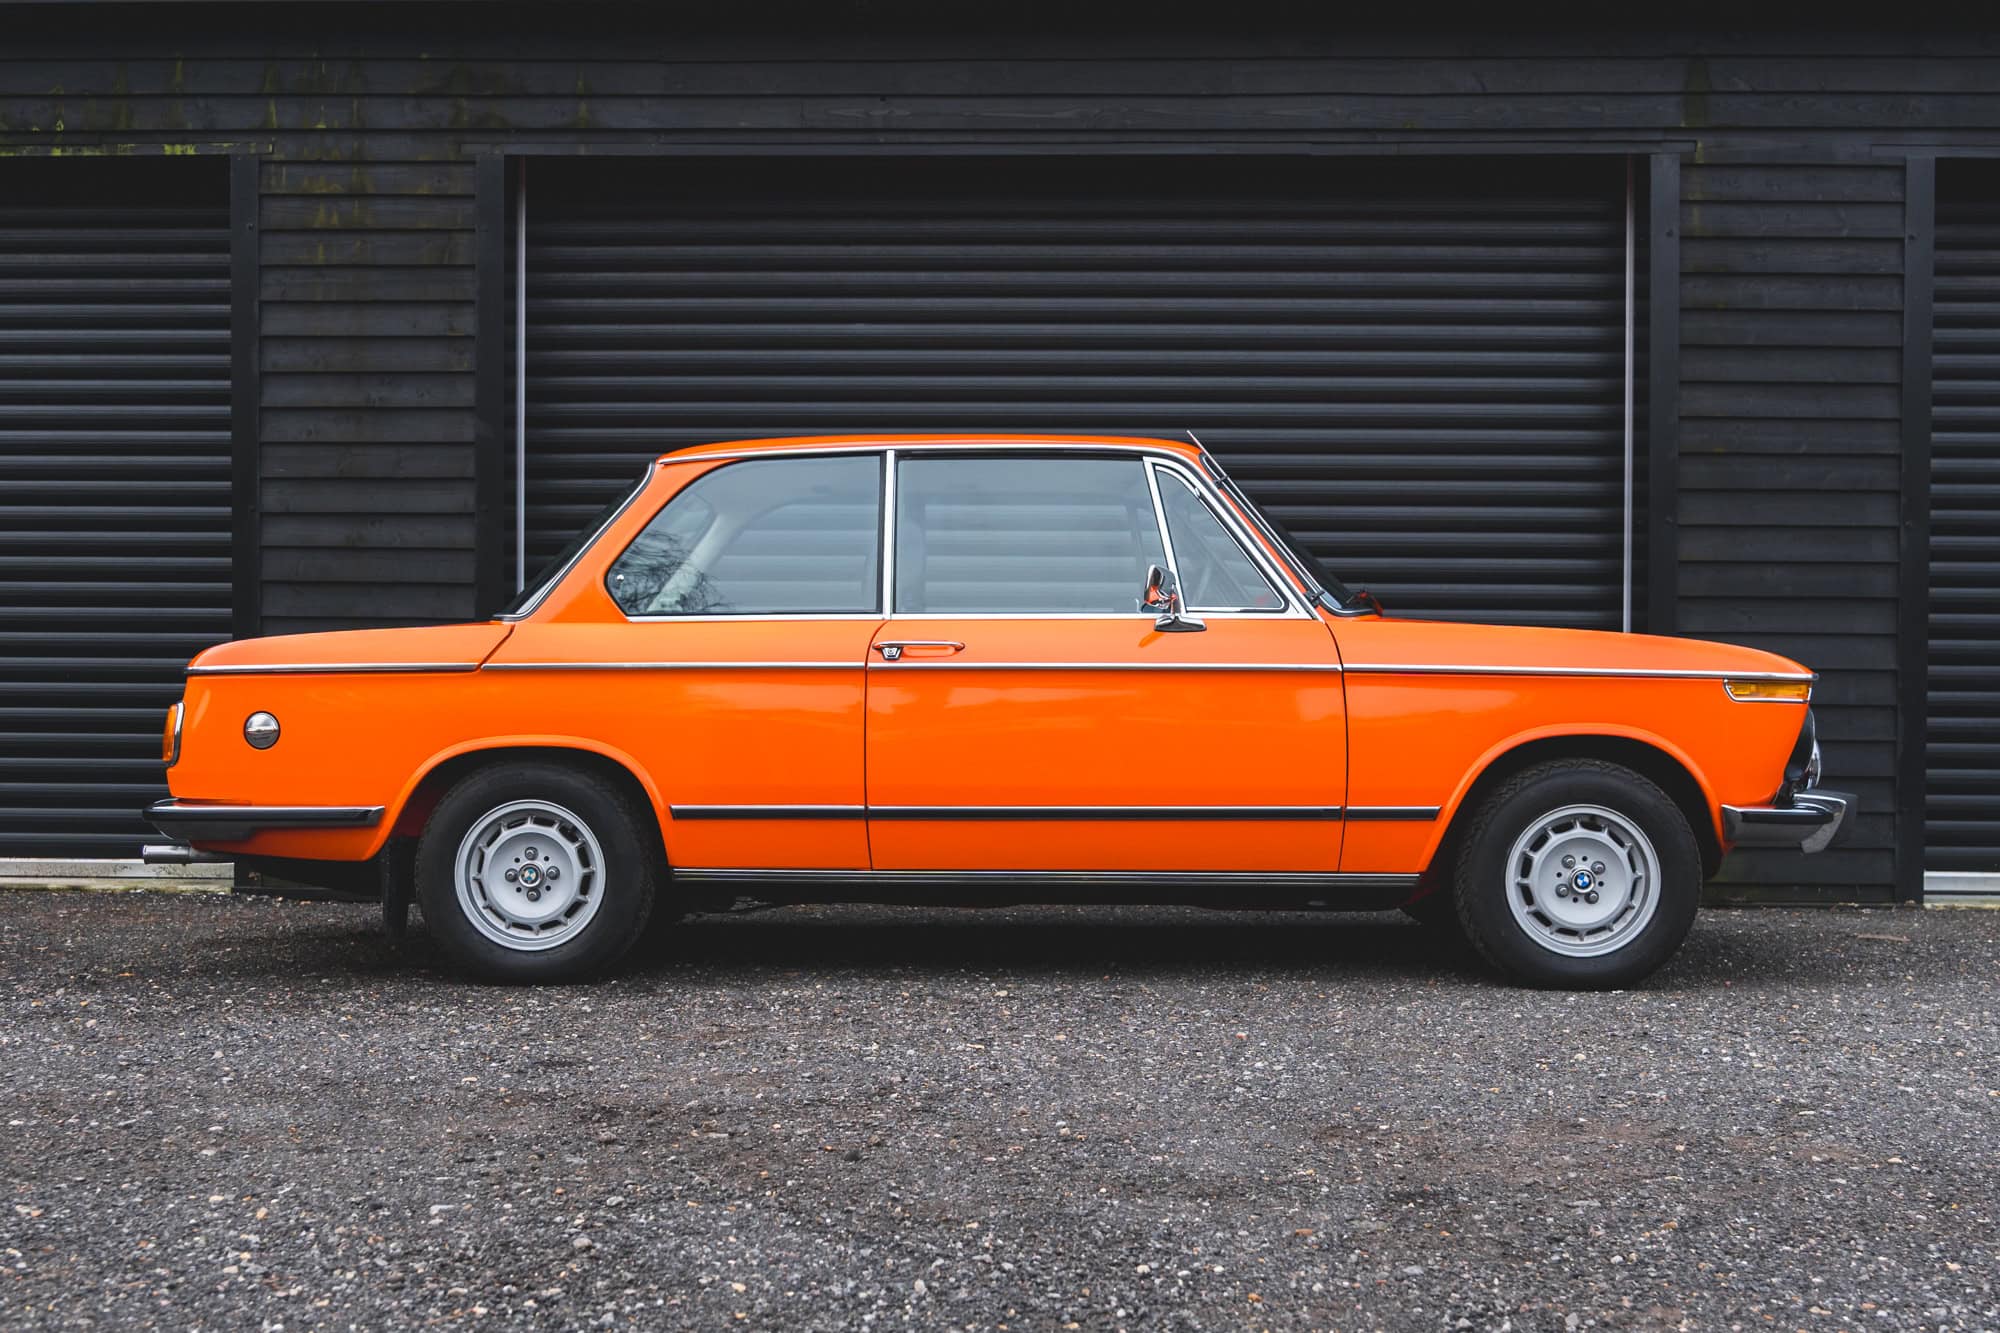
(986, 668)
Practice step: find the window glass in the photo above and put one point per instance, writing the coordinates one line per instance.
(770, 536)
(532, 590)
(1216, 573)
(1041, 534)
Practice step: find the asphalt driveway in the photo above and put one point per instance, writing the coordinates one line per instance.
(222, 1113)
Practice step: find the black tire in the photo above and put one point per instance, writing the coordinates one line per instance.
(623, 869)
(1484, 883)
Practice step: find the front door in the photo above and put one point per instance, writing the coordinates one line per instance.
(1024, 715)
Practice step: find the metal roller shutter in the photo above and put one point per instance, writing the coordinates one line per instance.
(114, 485)
(1962, 752)
(1417, 365)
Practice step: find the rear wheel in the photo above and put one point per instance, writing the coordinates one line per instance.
(536, 872)
(1579, 874)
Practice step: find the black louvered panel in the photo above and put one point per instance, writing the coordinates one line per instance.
(1417, 366)
(1962, 764)
(114, 485)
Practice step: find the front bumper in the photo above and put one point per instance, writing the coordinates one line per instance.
(1813, 820)
(234, 823)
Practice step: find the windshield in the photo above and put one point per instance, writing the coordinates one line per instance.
(533, 590)
(1329, 590)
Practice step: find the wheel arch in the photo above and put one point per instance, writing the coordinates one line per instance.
(430, 784)
(1672, 771)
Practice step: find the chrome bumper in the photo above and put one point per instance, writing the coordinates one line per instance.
(233, 823)
(1814, 819)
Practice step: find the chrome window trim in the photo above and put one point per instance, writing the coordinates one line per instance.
(926, 664)
(1152, 467)
(556, 579)
(1633, 673)
(673, 666)
(887, 528)
(1290, 583)
(333, 668)
(755, 618)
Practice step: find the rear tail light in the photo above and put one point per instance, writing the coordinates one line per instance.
(170, 737)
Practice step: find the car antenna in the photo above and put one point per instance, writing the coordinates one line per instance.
(1196, 438)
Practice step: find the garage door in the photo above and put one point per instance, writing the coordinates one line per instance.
(1962, 753)
(114, 484)
(1417, 366)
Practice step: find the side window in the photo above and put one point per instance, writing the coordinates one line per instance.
(1027, 534)
(1216, 573)
(772, 536)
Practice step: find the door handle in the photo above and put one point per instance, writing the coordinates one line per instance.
(893, 650)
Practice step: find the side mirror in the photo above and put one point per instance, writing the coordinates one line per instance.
(1163, 598)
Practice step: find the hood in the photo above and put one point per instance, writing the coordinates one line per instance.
(432, 646)
(1391, 642)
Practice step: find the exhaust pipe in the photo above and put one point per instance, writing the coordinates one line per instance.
(179, 854)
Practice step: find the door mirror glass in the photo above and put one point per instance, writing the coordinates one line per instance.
(1163, 597)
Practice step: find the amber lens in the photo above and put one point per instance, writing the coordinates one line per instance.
(170, 736)
(1745, 690)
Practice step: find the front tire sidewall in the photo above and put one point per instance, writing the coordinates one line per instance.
(630, 879)
(1483, 879)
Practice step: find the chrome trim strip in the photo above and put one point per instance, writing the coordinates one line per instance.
(334, 669)
(767, 811)
(1376, 814)
(233, 823)
(1093, 878)
(644, 484)
(926, 664)
(753, 617)
(1152, 467)
(1118, 813)
(302, 816)
(1635, 673)
(1280, 575)
(672, 666)
(886, 529)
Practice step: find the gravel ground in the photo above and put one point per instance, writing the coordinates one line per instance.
(227, 1114)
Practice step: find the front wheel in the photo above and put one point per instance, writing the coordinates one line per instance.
(1578, 874)
(535, 872)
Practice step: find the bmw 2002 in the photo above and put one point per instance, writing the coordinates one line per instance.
(987, 669)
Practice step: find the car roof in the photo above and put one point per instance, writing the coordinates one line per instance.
(791, 444)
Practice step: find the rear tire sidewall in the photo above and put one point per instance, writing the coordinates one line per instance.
(1483, 878)
(629, 883)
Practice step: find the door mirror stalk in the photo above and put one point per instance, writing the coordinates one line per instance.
(1163, 598)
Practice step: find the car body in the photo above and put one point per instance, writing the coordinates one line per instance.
(980, 668)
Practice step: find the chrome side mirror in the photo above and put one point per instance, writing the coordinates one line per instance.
(1163, 598)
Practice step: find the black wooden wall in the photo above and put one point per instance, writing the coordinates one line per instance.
(361, 129)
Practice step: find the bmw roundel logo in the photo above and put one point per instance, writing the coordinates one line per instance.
(1583, 879)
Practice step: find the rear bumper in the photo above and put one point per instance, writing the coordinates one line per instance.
(1813, 821)
(234, 823)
